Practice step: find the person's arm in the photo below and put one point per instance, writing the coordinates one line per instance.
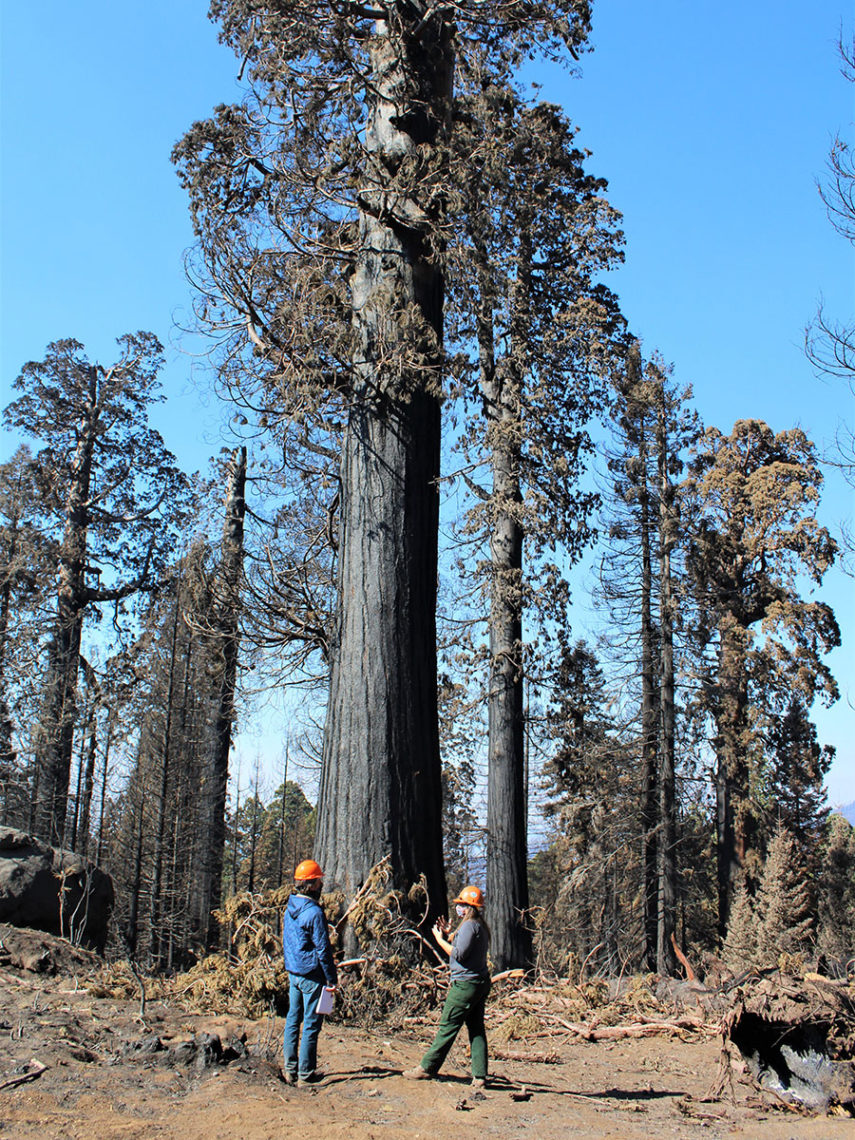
(439, 935)
(324, 948)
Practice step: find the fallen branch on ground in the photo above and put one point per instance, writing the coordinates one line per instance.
(36, 1071)
(646, 1029)
(525, 1058)
(507, 974)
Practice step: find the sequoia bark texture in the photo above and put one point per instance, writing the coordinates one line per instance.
(380, 784)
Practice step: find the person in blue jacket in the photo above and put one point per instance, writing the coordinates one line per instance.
(310, 966)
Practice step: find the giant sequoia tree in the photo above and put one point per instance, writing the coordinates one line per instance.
(754, 538)
(113, 486)
(321, 206)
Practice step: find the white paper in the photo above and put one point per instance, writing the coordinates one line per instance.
(325, 1001)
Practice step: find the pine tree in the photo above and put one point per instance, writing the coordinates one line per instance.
(534, 234)
(836, 893)
(27, 568)
(740, 950)
(592, 783)
(782, 905)
(642, 583)
(797, 767)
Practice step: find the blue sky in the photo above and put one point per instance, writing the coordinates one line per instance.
(711, 122)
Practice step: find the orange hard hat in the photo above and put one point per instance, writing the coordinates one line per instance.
(471, 896)
(307, 870)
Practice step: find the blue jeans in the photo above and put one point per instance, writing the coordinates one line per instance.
(303, 995)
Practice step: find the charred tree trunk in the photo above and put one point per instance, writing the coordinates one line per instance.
(87, 784)
(7, 751)
(380, 788)
(227, 643)
(650, 839)
(104, 773)
(132, 933)
(734, 819)
(161, 803)
(666, 852)
(507, 862)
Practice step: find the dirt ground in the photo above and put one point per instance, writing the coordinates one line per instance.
(101, 1082)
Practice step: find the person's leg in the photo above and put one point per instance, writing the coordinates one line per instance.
(454, 1013)
(312, 1022)
(291, 1036)
(478, 1033)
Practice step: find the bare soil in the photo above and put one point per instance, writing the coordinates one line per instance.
(100, 1081)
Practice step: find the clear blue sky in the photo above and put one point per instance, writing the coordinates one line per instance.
(711, 122)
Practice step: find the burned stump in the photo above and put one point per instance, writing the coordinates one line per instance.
(797, 1037)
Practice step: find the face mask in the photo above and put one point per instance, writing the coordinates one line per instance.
(461, 911)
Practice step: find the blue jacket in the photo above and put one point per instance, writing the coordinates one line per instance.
(306, 940)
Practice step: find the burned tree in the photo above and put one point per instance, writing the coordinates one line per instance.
(114, 489)
(536, 232)
(750, 505)
(224, 643)
(321, 206)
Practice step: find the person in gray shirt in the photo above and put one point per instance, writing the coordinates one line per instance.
(467, 994)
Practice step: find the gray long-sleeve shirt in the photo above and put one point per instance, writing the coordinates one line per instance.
(468, 960)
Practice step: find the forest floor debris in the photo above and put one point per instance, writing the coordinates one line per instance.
(198, 1074)
(797, 1038)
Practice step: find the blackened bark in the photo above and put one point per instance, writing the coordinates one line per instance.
(507, 862)
(7, 751)
(734, 818)
(155, 932)
(88, 784)
(104, 773)
(228, 646)
(666, 853)
(380, 788)
(380, 785)
(132, 931)
(649, 707)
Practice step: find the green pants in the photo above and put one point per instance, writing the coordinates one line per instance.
(463, 1006)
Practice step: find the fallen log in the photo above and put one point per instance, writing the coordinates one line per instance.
(647, 1028)
(525, 1058)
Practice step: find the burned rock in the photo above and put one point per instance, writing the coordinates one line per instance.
(53, 890)
(235, 1049)
(209, 1050)
(146, 1047)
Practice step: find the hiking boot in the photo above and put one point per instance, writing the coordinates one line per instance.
(417, 1074)
(314, 1078)
(478, 1082)
(288, 1078)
